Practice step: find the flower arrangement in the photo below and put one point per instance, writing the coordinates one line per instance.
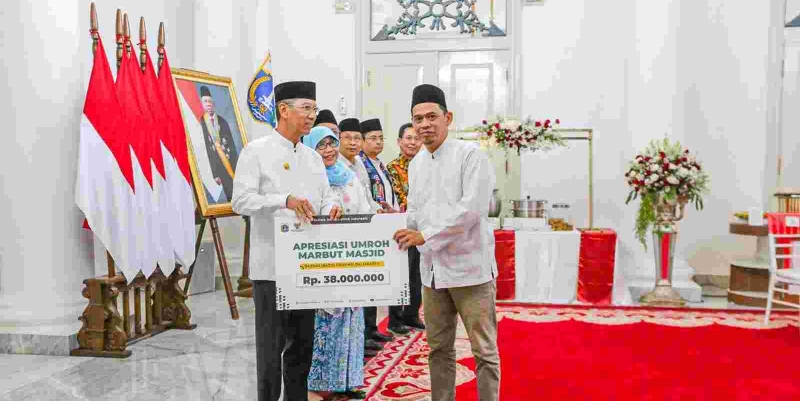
(512, 133)
(664, 173)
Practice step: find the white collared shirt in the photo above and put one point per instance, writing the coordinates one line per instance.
(363, 177)
(448, 201)
(269, 170)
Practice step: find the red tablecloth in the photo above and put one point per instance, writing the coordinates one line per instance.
(504, 248)
(596, 266)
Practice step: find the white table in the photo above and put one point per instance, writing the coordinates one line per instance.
(547, 265)
(547, 268)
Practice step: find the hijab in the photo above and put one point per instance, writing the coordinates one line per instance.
(338, 174)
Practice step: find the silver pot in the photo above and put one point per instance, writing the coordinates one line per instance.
(534, 208)
(495, 204)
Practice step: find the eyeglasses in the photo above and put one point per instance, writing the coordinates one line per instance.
(324, 144)
(307, 109)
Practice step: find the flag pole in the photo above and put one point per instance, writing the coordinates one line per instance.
(119, 39)
(161, 41)
(142, 43)
(127, 33)
(94, 28)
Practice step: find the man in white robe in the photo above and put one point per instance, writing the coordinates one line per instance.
(278, 175)
(450, 183)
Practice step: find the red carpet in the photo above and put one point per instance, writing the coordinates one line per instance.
(550, 353)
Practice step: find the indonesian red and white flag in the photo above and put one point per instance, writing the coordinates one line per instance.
(181, 181)
(105, 183)
(167, 172)
(146, 167)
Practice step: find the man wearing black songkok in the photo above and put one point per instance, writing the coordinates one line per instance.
(278, 175)
(450, 184)
(326, 118)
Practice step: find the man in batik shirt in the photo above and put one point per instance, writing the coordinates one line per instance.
(409, 143)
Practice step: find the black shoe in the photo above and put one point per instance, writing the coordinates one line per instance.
(415, 324)
(373, 345)
(369, 353)
(380, 337)
(399, 330)
(356, 394)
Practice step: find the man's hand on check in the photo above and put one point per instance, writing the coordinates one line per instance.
(407, 238)
(302, 207)
(336, 213)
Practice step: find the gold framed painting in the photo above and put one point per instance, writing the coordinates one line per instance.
(215, 137)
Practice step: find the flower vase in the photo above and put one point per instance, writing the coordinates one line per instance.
(664, 235)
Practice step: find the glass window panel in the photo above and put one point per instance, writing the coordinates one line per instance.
(425, 19)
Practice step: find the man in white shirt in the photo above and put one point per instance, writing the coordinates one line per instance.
(382, 190)
(450, 183)
(350, 144)
(277, 175)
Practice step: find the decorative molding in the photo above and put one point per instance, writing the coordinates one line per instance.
(438, 10)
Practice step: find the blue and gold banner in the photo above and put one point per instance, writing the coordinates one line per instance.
(260, 95)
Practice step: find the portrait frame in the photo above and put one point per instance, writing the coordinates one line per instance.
(200, 168)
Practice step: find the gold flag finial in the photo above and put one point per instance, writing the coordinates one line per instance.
(161, 41)
(142, 42)
(127, 33)
(119, 40)
(93, 27)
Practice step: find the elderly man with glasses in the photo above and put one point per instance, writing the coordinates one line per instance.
(278, 175)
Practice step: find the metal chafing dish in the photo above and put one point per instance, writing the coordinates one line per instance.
(532, 208)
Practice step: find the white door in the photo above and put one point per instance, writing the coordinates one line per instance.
(476, 85)
(790, 111)
(390, 80)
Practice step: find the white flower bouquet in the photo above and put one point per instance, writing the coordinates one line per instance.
(664, 172)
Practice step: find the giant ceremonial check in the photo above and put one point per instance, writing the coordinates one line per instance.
(348, 262)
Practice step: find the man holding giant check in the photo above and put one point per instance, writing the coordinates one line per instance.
(348, 262)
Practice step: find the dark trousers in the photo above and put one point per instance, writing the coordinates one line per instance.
(405, 313)
(370, 321)
(288, 332)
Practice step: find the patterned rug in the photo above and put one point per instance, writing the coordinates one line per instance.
(616, 352)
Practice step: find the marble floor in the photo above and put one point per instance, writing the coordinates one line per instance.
(216, 361)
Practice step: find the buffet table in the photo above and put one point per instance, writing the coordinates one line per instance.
(559, 267)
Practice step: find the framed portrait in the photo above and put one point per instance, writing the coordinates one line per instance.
(215, 137)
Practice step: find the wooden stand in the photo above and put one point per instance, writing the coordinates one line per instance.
(749, 281)
(245, 285)
(223, 263)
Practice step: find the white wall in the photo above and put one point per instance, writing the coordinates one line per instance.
(312, 43)
(695, 70)
(44, 253)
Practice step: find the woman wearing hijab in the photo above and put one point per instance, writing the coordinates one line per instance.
(338, 359)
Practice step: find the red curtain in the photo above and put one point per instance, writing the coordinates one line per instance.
(504, 248)
(596, 266)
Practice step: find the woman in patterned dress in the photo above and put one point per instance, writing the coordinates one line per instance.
(337, 367)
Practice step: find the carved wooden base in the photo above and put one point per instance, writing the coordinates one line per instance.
(105, 333)
(173, 301)
(102, 332)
